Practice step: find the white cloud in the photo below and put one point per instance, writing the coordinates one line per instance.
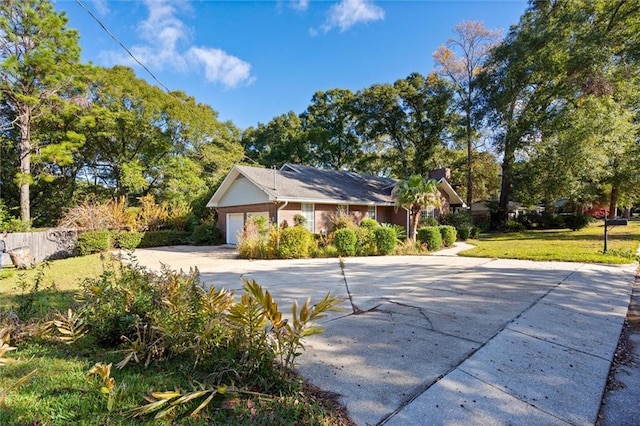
(347, 13)
(300, 5)
(101, 7)
(220, 66)
(165, 43)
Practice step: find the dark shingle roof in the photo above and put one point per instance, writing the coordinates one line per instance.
(305, 183)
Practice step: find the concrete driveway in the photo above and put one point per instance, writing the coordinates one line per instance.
(445, 339)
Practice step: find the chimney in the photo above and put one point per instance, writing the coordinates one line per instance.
(274, 178)
(440, 173)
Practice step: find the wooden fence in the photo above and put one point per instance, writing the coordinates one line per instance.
(55, 243)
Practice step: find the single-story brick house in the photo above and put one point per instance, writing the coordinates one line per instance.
(317, 194)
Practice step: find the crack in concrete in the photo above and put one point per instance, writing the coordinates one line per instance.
(356, 310)
(419, 310)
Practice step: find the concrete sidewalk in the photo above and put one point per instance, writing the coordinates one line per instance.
(444, 339)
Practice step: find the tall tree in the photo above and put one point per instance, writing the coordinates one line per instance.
(460, 60)
(329, 123)
(550, 67)
(280, 141)
(141, 140)
(416, 194)
(426, 102)
(38, 55)
(382, 124)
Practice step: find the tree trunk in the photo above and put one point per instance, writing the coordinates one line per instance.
(613, 201)
(469, 135)
(505, 188)
(469, 173)
(415, 218)
(25, 165)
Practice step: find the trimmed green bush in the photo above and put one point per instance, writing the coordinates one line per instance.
(296, 242)
(576, 221)
(401, 231)
(345, 241)
(464, 233)
(365, 241)
(430, 235)
(448, 234)
(430, 221)
(369, 223)
(206, 234)
(93, 242)
(126, 240)
(386, 239)
(164, 238)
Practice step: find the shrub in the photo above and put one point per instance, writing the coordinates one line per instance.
(513, 226)
(114, 301)
(430, 235)
(464, 233)
(448, 234)
(475, 231)
(164, 238)
(258, 239)
(345, 241)
(369, 223)
(206, 234)
(576, 221)
(296, 242)
(401, 231)
(341, 219)
(386, 239)
(126, 240)
(551, 221)
(429, 221)
(365, 241)
(299, 220)
(460, 219)
(93, 242)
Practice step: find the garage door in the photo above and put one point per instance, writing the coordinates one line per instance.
(235, 224)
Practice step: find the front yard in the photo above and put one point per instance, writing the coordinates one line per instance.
(562, 245)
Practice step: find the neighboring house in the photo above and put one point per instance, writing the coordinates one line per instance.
(317, 194)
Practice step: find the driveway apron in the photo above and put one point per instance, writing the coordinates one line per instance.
(445, 339)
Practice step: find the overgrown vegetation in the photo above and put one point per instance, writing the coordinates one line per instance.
(128, 333)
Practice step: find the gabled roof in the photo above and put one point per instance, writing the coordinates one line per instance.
(298, 183)
(452, 195)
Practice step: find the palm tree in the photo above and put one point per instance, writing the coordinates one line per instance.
(416, 194)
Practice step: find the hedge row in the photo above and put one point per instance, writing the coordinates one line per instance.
(100, 241)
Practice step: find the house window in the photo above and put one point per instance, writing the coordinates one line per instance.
(307, 210)
(427, 213)
(371, 212)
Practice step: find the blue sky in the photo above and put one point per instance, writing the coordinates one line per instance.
(253, 60)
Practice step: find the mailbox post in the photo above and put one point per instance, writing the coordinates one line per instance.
(612, 222)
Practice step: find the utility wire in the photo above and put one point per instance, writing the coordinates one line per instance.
(117, 40)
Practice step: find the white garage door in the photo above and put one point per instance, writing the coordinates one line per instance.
(235, 224)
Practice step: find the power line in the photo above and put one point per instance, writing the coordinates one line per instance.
(117, 40)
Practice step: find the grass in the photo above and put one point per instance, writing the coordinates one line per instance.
(585, 245)
(59, 279)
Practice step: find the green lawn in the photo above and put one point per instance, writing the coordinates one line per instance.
(62, 275)
(585, 245)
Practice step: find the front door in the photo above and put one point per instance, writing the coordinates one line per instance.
(235, 224)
